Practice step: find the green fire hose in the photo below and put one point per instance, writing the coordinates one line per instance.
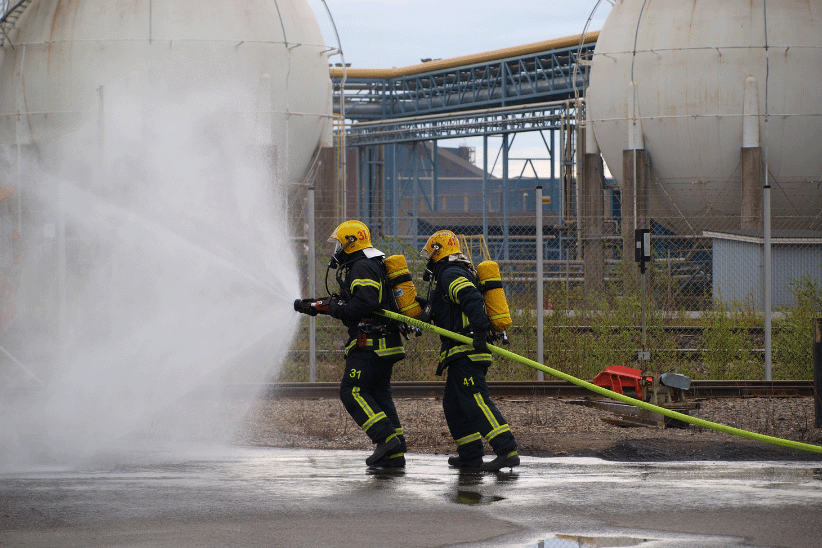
(608, 393)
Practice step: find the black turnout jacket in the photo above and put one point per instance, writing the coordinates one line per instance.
(365, 290)
(457, 305)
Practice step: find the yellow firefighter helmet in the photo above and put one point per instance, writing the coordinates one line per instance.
(441, 244)
(351, 236)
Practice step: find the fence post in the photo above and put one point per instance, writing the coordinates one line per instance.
(817, 371)
(540, 281)
(312, 283)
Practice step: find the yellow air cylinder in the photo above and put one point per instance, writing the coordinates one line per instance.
(399, 278)
(490, 283)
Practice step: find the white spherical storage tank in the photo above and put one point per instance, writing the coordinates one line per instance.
(688, 76)
(155, 156)
(74, 61)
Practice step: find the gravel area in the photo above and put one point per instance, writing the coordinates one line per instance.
(546, 426)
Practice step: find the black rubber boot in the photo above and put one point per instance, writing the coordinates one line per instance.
(465, 463)
(395, 458)
(390, 462)
(509, 460)
(383, 448)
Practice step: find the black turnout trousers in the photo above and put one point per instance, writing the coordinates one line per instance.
(365, 391)
(470, 413)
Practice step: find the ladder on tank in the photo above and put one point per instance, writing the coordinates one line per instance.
(339, 168)
(10, 17)
(469, 243)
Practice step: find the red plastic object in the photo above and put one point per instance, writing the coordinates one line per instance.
(618, 377)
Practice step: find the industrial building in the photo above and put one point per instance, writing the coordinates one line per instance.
(712, 129)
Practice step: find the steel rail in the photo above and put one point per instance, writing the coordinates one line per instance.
(700, 389)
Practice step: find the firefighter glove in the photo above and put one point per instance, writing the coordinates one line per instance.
(336, 308)
(312, 307)
(481, 342)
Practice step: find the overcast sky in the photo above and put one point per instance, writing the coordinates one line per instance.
(398, 33)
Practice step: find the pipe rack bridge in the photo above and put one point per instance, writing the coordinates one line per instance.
(541, 72)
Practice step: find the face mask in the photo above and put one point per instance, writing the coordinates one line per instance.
(429, 266)
(339, 253)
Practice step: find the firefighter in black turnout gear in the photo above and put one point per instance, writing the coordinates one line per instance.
(454, 303)
(374, 342)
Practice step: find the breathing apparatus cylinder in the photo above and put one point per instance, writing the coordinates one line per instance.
(399, 278)
(490, 284)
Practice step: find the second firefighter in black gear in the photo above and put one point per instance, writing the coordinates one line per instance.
(455, 304)
(374, 343)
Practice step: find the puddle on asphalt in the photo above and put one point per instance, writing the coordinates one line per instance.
(474, 482)
(463, 496)
(574, 541)
(385, 473)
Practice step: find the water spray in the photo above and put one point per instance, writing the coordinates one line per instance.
(608, 393)
(23, 367)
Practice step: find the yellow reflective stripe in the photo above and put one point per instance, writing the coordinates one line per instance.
(465, 322)
(367, 282)
(393, 351)
(456, 286)
(399, 272)
(497, 431)
(498, 316)
(473, 356)
(410, 306)
(363, 404)
(383, 350)
(468, 439)
(373, 418)
(486, 411)
(398, 432)
(364, 282)
(370, 422)
(456, 350)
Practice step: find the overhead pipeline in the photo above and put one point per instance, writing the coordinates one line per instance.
(465, 60)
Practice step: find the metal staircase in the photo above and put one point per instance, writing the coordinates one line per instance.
(474, 244)
(11, 13)
(339, 135)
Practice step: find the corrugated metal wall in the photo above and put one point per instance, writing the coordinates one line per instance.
(738, 269)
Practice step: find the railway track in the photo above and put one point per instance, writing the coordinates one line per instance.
(700, 389)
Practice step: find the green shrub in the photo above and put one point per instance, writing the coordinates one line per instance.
(792, 332)
(725, 345)
(583, 335)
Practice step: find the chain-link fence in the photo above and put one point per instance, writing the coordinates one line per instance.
(699, 308)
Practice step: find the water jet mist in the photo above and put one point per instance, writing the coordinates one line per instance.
(148, 148)
(164, 269)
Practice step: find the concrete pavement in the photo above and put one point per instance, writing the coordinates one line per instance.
(193, 496)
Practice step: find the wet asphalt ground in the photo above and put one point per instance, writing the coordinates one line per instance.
(246, 497)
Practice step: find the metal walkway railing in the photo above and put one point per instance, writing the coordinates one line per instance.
(536, 73)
